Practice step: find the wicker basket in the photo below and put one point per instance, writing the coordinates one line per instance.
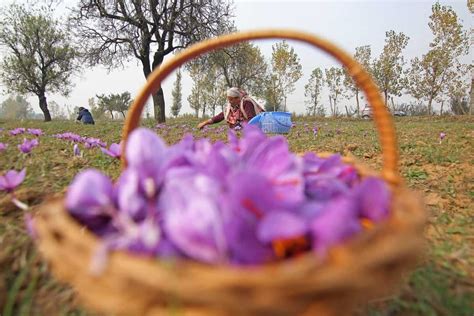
(369, 266)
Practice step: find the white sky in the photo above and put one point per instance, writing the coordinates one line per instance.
(349, 24)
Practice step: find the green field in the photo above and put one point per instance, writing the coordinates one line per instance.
(443, 284)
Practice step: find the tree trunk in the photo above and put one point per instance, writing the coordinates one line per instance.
(430, 101)
(158, 97)
(44, 107)
(471, 101)
(111, 114)
(203, 110)
(159, 106)
(357, 103)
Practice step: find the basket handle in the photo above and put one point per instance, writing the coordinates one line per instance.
(382, 117)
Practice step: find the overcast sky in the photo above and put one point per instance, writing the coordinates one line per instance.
(349, 24)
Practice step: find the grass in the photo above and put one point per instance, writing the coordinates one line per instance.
(444, 172)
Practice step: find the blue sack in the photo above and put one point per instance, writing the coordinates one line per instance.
(273, 122)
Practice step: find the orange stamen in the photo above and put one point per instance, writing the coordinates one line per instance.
(290, 247)
(366, 223)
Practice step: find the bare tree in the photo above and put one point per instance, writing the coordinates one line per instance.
(113, 32)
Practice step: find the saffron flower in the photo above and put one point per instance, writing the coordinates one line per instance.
(75, 150)
(114, 150)
(245, 202)
(27, 146)
(69, 136)
(35, 131)
(3, 147)
(442, 136)
(17, 131)
(92, 142)
(11, 179)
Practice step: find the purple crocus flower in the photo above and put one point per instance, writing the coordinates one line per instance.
(315, 131)
(3, 147)
(273, 159)
(35, 131)
(17, 131)
(92, 142)
(442, 136)
(132, 194)
(114, 150)
(90, 191)
(11, 179)
(336, 222)
(76, 150)
(146, 152)
(69, 136)
(90, 200)
(373, 198)
(204, 238)
(28, 145)
(281, 225)
(250, 198)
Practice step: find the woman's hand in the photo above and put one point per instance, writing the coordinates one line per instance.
(202, 124)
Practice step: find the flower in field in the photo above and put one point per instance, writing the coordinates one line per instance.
(113, 151)
(442, 136)
(76, 151)
(92, 142)
(3, 147)
(69, 136)
(27, 146)
(35, 131)
(11, 179)
(315, 131)
(17, 131)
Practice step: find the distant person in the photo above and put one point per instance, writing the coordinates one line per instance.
(240, 108)
(85, 116)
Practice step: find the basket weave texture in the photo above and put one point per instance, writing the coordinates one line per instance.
(370, 265)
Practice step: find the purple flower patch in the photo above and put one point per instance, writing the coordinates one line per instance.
(17, 131)
(27, 146)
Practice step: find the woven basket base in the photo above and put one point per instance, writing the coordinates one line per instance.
(368, 266)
